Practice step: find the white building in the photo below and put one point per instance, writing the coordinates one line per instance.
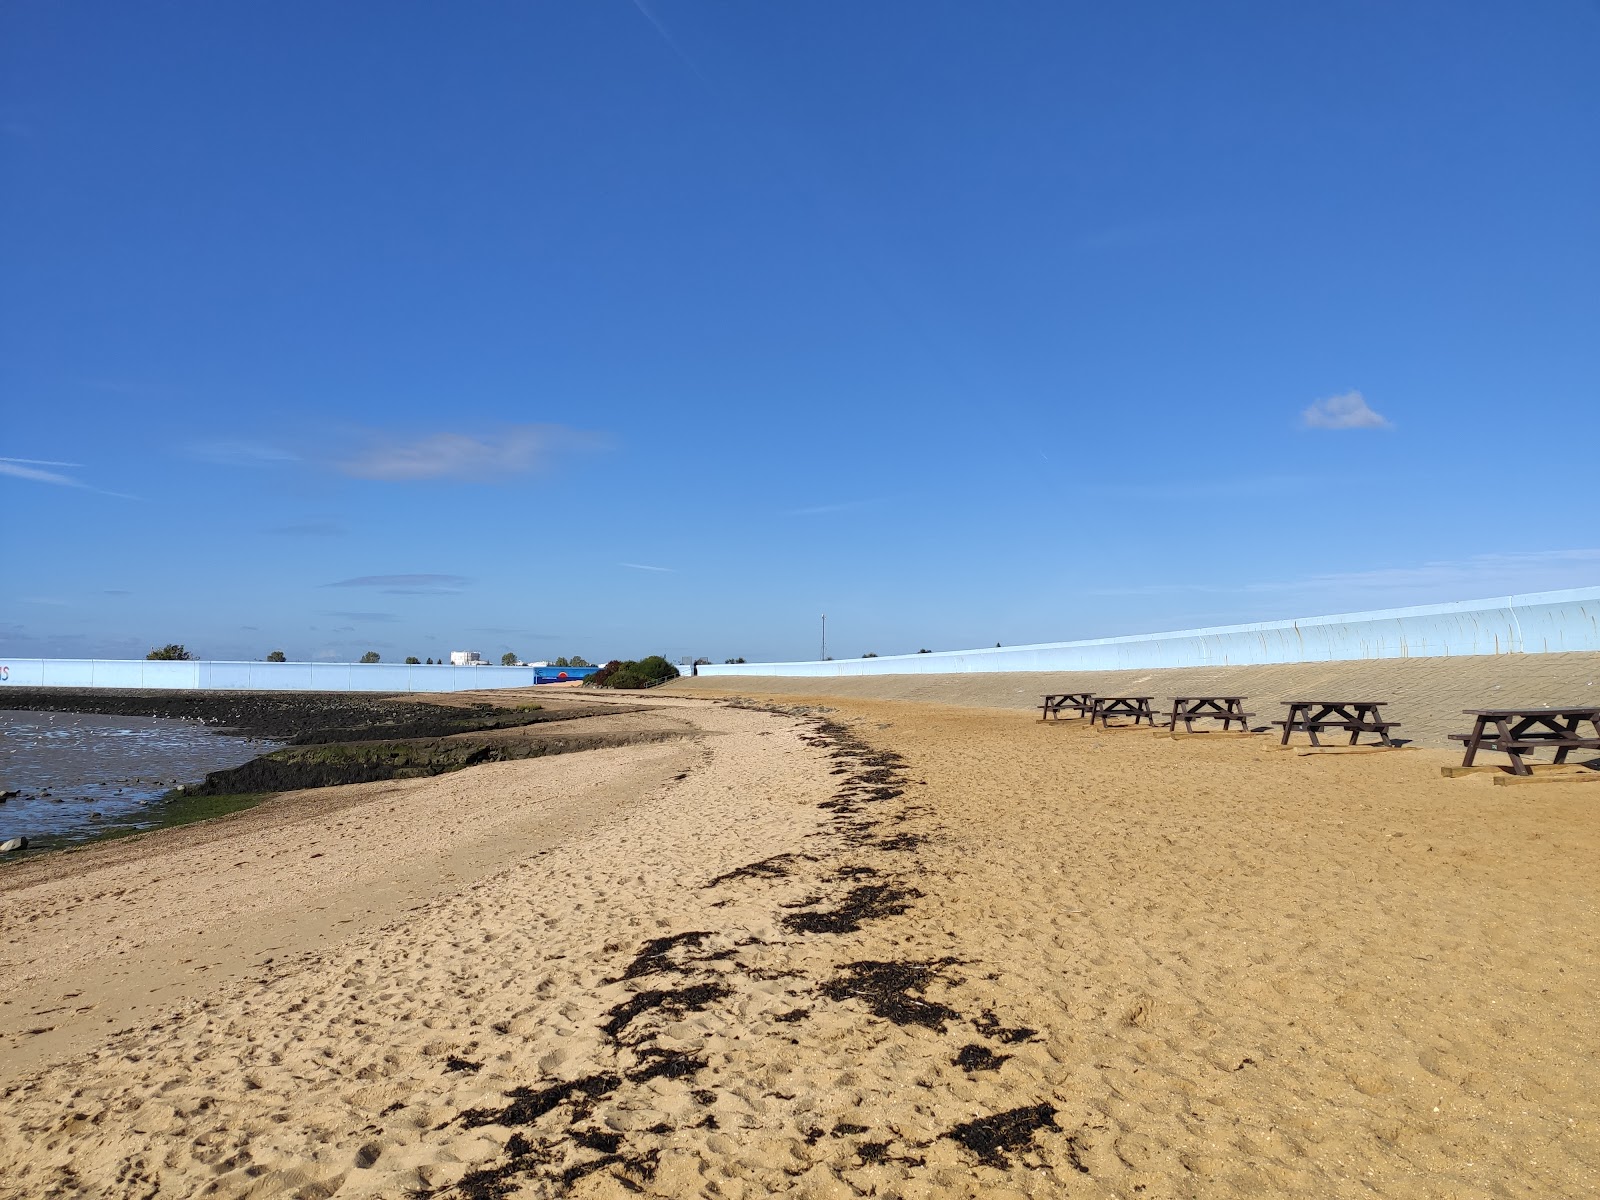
(465, 658)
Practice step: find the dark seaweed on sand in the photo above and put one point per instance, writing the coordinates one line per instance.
(989, 1025)
(892, 990)
(529, 1104)
(974, 1058)
(775, 867)
(656, 955)
(993, 1138)
(868, 902)
(674, 1001)
(658, 1063)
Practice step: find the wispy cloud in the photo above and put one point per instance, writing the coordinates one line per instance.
(672, 42)
(646, 567)
(312, 528)
(242, 453)
(818, 510)
(30, 469)
(1473, 578)
(115, 592)
(406, 585)
(513, 450)
(1347, 411)
(364, 617)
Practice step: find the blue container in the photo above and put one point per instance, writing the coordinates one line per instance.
(561, 674)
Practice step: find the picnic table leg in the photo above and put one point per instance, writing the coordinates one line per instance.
(1383, 731)
(1571, 730)
(1518, 767)
(1472, 742)
(1288, 725)
(1355, 733)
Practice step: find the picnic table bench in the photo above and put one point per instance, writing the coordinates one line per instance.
(1083, 702)
(1318, 716)
(1137, 707)
(1517, 731)
(1226, 709)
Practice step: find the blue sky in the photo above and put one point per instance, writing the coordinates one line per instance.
(616, 328)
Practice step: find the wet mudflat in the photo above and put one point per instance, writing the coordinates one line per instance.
(88, 764)
(78, 776)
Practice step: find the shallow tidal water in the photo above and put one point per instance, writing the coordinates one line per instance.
(83, 775)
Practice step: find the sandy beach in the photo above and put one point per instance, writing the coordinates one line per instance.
(824, 944)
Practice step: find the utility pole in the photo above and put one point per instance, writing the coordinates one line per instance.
(824, 637)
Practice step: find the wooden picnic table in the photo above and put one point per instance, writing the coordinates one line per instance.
(1226, 709)
(1056, 701)
(1516, 731)
(1137, 707)
(1318, 716)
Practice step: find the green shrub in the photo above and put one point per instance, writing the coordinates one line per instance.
(647, 672)
(276, 656)
(371, 656)
(413, 661)
(171, 652)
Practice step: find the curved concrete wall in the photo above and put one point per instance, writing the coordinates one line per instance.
(258, 676)
(1538, 623)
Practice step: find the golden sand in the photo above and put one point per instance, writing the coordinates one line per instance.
(1017, 959)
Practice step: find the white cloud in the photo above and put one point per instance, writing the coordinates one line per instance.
(28, 468)
(645, 567)
(515, 450)
(1347, 411)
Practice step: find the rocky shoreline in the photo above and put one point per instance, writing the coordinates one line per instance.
(323, 740)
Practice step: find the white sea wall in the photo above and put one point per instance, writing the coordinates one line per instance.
(1537, 623)
(256, 676)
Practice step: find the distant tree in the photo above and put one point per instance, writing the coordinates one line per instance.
(734, 660)
(276, 656)
(371, 656)
(924, 651)
(561, 662)
(508, 659)
(578, 660)
(171, 652)
(869, 654)
(413, 661)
